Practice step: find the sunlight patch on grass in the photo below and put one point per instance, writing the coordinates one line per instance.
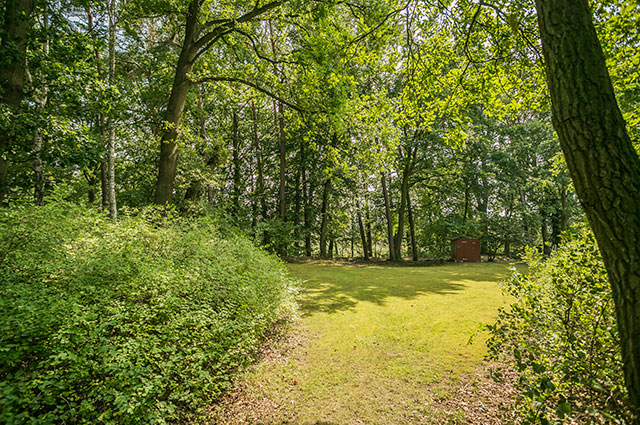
(382, 342)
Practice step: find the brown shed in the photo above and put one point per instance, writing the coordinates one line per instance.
(465, 249)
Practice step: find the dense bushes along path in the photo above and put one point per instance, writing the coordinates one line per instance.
(139, 322)
(377, 345)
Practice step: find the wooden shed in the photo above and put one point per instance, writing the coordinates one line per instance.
(465, 249)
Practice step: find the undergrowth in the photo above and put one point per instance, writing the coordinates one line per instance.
(143, 321)
(560, 334)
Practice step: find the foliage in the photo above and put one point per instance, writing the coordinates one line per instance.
(560, 335)
(136, 322)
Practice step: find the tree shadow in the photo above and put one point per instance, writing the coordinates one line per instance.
(331, 289)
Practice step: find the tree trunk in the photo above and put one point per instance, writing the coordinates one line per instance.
(546, 249)
(365, 248)
(602, 162)
(387, 212)
(323, 223)
(235, 141)
(412, 228)
(401, 210)
(368, 225)
(352, 243)
(563, 208)
(282, 148)
(308, 202)
(103, 185)
(40, 101)
(278, 112)
(556, 228)
(524, 208)
(303, 183)
(466, 200)
(168, 162)
(111, 152)
(298, 195)
(16, 25)
(91, 194)
(38, 174)
(194, 190)
(258, 151)
(100, 122)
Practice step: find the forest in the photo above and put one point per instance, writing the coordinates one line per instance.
(183, 182)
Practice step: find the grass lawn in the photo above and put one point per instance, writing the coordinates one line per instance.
(376, 344)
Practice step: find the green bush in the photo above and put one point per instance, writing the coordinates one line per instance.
(560, 336)
(143, 321)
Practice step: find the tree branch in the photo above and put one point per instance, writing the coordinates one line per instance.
(258, 88)
(229, 24)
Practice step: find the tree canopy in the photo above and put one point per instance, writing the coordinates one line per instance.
(360, 128)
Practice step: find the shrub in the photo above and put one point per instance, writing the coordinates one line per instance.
(560, 335)
(144, 321)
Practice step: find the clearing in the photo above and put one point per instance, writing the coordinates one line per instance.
(379, 344)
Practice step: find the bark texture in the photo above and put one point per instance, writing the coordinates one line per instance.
(17, 23)
(168, 162)
(602, 162)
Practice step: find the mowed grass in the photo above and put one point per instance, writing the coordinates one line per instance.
(380, 343)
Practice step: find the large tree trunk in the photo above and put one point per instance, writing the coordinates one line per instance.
(168, 162)
(387, 212)
(17, 23)
(324, 218)
(602, 162)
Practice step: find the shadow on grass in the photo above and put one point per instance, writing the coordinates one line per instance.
(329, 289)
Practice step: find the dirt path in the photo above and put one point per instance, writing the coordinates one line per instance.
(378, 345)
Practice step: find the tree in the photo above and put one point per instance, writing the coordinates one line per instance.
(194, 45)
(603, 164)
(17, 23)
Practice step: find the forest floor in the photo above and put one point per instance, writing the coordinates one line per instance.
(376, 344)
